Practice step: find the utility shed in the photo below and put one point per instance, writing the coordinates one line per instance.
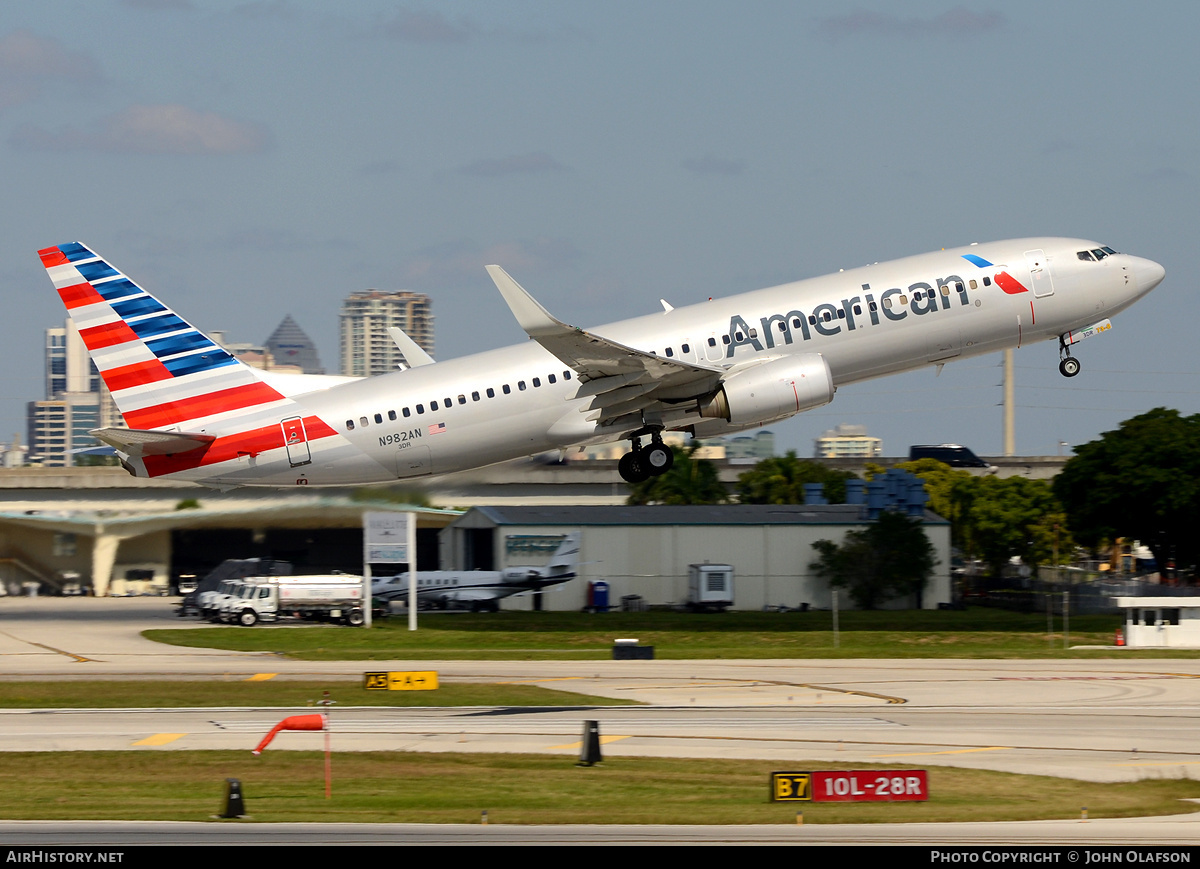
(1161, 622)
(646, 550)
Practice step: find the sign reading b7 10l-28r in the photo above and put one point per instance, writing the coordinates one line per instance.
(851, 786)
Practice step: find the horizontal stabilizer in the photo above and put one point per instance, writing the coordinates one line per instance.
(138, 442)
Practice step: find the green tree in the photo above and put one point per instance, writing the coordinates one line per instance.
(781, 479)
(890, 558)
(1014, 517)
(994, 519)
(1141, 481)
(951, 495)
(690, 481)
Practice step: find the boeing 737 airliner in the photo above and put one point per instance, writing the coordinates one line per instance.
(194, 412)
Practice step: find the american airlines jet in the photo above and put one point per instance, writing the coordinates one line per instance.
(194, 412)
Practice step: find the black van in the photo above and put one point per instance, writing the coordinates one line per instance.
(951, 454)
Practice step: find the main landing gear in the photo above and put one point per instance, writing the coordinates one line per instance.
(1068, 365)
(642, 463)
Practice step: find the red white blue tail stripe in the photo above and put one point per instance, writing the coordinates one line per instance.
(162, 371)
(165, 374)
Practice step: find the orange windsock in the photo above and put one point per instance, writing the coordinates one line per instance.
(295, 722)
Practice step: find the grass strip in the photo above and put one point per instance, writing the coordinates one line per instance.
(108, 694)
(974, 633)
(374, 787)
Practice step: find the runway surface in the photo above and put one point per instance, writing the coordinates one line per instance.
(1103, 721)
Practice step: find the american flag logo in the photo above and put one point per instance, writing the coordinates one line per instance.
(437, 428)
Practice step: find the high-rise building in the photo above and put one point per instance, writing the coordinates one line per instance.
(289, 345)
(848, 442)
(60, 425)
(76, 401)
(366, 347)
(68, 368)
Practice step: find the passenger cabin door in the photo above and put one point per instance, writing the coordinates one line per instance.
(296, 441)
(1039, 273)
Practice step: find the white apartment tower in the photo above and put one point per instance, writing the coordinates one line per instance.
(366, 347)
(848, 442)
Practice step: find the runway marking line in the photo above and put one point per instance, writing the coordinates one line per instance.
(79, 658)
(261, 677)
(733, 684)
(575, 746)
(160, 739)
(1163, 763)
(535, 681)
(1108, 678)
(956, 751)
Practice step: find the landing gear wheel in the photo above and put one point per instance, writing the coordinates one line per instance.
(632, 469)
(247, 618)
(657, 459)
(1068, 367)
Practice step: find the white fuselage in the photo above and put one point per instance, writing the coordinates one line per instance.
(866, 322)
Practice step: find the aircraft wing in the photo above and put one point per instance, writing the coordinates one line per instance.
(137, 443)
(623, 379)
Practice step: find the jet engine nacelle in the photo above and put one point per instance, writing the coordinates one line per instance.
(772, 390)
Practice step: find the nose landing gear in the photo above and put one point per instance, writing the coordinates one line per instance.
(642, 463)
(1068, 365)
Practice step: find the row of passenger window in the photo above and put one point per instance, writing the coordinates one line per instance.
(944, 289)
(447, 403)
(828, 317)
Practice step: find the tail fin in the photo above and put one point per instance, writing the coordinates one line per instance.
(566, 557)
(162, 371)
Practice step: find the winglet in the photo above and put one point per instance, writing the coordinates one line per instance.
(413, 354)
(533, 318)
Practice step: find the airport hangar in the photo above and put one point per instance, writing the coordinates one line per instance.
(646, 551)
(643, 551)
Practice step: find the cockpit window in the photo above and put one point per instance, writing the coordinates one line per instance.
(1096, 254)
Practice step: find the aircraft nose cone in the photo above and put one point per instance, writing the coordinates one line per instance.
(1149, 274)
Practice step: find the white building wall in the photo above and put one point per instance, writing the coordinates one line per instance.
(1148, 622)
(771, 563)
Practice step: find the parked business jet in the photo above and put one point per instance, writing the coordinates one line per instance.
(195, 412)
(482, 589)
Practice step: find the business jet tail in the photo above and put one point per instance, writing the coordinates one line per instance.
(566, 558)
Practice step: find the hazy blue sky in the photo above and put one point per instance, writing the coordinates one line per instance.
(244, 161)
